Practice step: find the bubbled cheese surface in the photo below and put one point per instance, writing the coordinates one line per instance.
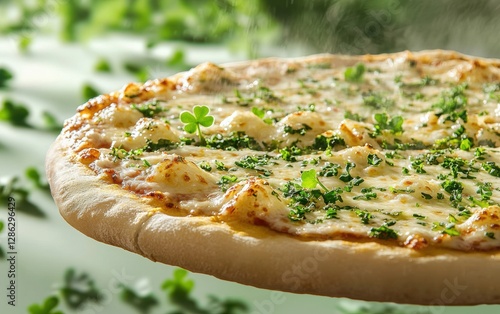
(431, 181)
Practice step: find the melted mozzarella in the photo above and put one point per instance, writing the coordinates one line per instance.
(406, 193)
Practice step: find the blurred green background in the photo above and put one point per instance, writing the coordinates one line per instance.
(337, 26)
(55, 54)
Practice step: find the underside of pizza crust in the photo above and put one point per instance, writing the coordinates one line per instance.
(257, 255)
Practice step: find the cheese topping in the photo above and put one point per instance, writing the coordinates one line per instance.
(395, 150)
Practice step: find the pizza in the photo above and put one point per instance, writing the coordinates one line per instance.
(371, 177)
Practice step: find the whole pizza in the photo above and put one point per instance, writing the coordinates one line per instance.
(372, 177)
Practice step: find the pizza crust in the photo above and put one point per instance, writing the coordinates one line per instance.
(262, 258)
(97, 209)
(257, 256)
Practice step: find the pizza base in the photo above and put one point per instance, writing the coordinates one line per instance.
(260, 257)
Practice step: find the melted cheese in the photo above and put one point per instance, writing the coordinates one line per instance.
(419, 187)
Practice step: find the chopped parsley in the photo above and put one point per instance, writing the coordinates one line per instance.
(364, 215)
(329, 170)
(383, 122)
(346, 176)
(301, 131)
(384, 232)
(446, 228)
(226, 180)
(331, 213)
(355, 74)
(149, 109)
(327, 143)
(377, 101)
(419, 217)
(454, 188)
(485, 190)
(353, 116)
(219, 165)
(490, 235)
(162, 144)
(418, 165)
(367, 195)
(451, 100)
(289, 153)
(374, 160)
(426, 196)
(260, 112)
(492, 168)
(255, 162)
(205, 166)
(233, 141)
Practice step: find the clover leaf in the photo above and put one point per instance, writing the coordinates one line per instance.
(194, 120)
(309, 180)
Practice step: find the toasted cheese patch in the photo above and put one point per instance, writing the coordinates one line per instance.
(176, 175)
(255, 201)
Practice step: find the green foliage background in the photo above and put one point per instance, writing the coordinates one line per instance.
(339, 26)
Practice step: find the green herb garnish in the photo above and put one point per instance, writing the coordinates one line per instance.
(226, 180)
(367, 195)
(492, 168)
(353, 116)
(301, 131)
(233, 141)
(384, 232)
(374, 159)
(490, 235)
(194, 120)
(394, 125)
(149, 109)
(260, 112)
(454, 188)
(255, 163)
(377, 101)
(355, 74)
(364, 215)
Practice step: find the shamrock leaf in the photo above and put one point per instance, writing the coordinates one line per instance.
(194, 120)
(309, 179)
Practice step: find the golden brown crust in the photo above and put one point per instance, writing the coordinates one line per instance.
(258, 256)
